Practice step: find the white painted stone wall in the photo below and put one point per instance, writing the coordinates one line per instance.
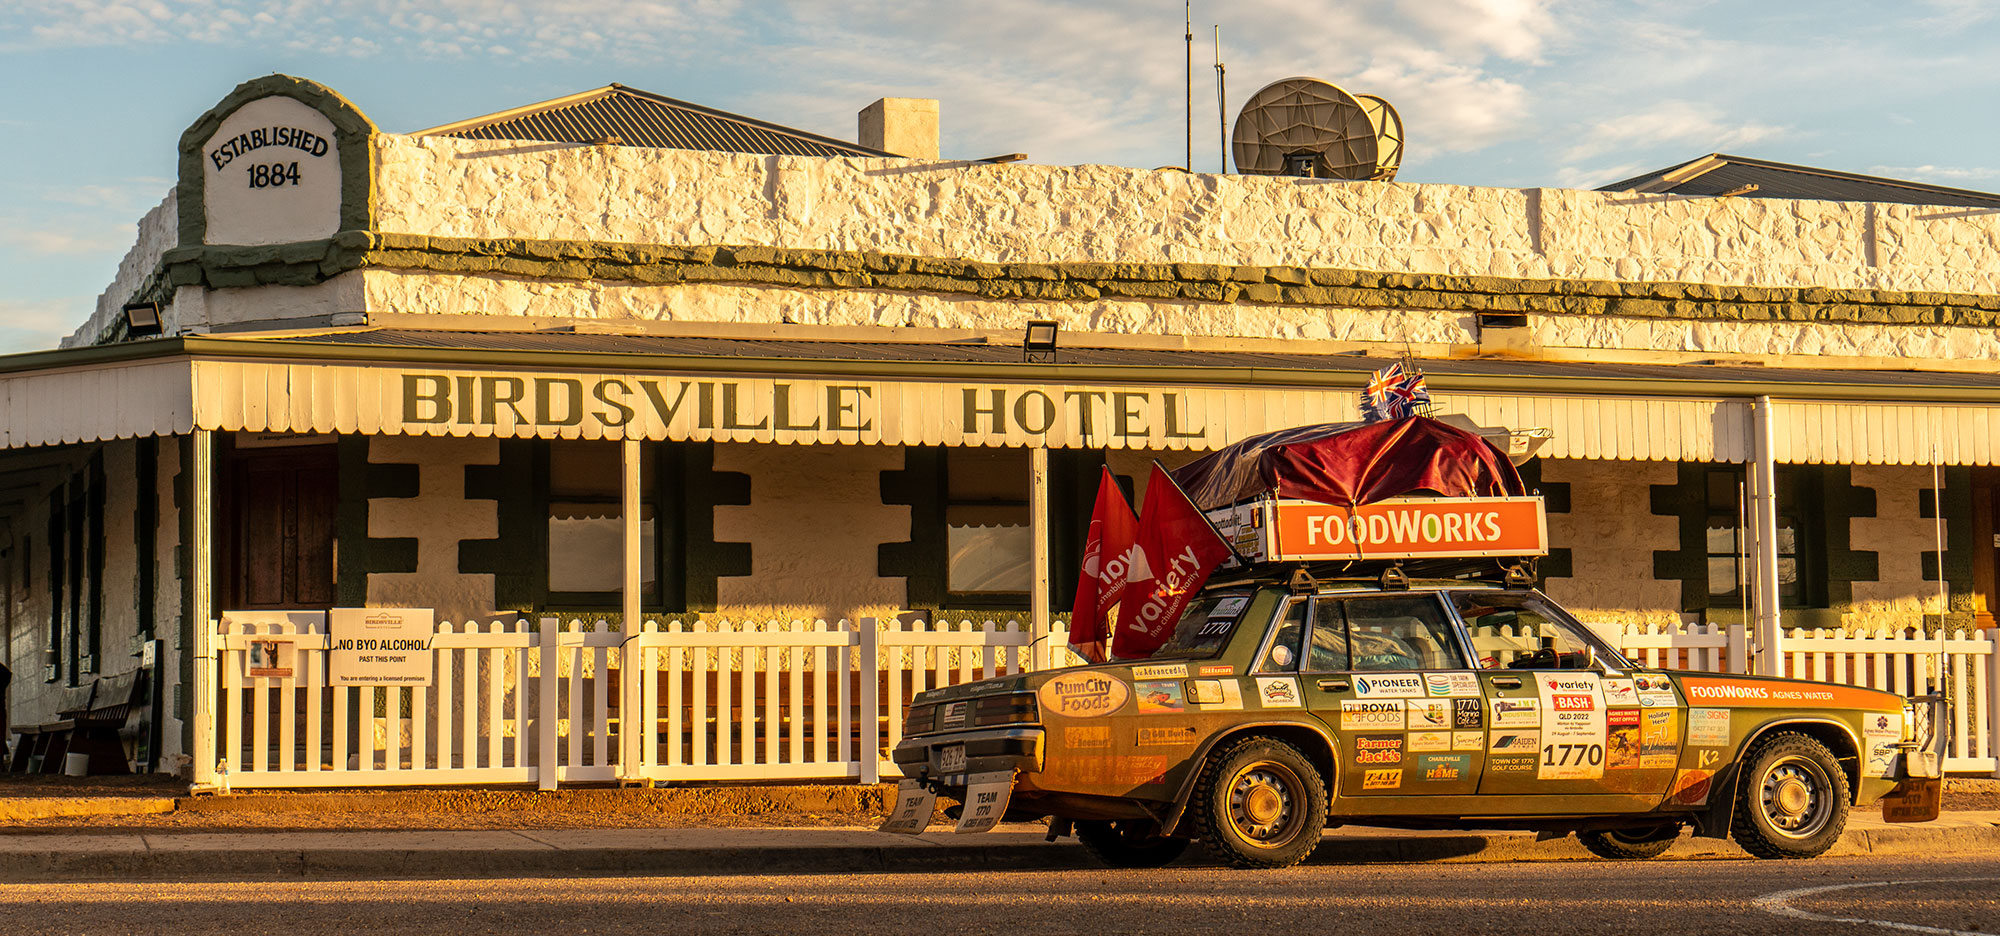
(439, 517)
(1899, 535)
(813, 523)
(1611, 534)
(167, 603)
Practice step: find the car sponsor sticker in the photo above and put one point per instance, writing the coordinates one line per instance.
(1708, 727)
(1467, 714)
(1881, 731)
(1215, 694)
(914, 805)
(1082, 695)
(1378, 749)
(986, 796)
(1619, 692)
(1621, 739)
(1086, 737)
(1659, 738)
(1512, 763)
(1160, 671)
(1278, 692)
(1451, 685)
(1428, 714)
(1216, 669)
(1159, 697)
(1392, 686)
(1654, 689)
(1746, 693)
(1468, 740)
(954, 713)
(1178, 736)
(1517, 713)
(1369, 714)
(1691, 787)
(1381, 779)
(1430, 741)
(1516, 742)
(1572, 726)
(1444, 767)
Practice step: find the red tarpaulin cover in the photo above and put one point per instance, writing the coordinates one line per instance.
(1350, 464)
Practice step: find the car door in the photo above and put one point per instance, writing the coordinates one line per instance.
(1388, 675)
(1566, 714)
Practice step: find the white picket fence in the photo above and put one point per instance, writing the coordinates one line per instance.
(1902, 662)
(544, 702)
(540, 703)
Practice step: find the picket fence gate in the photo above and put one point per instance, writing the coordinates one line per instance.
(544, 702)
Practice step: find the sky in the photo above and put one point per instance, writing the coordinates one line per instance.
(1514, 93)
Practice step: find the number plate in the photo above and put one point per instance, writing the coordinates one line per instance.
(952, 759)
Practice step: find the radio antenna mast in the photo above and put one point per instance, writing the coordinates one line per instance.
(1190, 86)
(1221, 104)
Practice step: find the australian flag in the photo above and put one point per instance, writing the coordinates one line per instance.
(1393, 393)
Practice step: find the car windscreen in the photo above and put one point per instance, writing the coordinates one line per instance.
(1206, 626)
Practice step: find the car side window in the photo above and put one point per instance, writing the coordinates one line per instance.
(1283, 655)
(1327, 651)
(1518, 631)
(1403, 632)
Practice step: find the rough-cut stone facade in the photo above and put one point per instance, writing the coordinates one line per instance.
(1611, 537)
(1899, 535)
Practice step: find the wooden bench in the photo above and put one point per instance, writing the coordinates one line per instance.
(90, 720)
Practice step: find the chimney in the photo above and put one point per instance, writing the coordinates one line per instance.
(904, 126)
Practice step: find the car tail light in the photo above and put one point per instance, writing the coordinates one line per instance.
(922, 719)
(1006, 709)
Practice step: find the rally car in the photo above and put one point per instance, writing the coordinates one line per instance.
(1283, 704)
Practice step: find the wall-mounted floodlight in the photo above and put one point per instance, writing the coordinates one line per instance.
(1039, 345)
(142, 319)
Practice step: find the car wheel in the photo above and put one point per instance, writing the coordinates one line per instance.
(1129, 843)
(1630, 844)
(1261, 804)
(1793, 800)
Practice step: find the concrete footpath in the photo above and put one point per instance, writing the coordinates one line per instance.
(58, 856)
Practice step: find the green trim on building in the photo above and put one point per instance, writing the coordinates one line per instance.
(1840, 503)
(1686, 501)
(707, 560)
(310, 262)
(353, 132)
(1959, 550)
(1560, 562)
(919, 561)
(361, 555)
(515, 556)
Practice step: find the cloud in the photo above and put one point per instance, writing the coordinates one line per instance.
(1949, 175)
(1678, 122)
(40, 324)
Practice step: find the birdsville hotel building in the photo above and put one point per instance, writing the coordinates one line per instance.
(495, 392)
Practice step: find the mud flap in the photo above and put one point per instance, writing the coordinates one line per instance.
(986, 797)
(1916, 799)
(913, 808)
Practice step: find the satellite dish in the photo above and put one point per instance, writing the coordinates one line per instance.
(1308, 127)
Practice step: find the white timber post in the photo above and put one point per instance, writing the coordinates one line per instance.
(201, 610)
(634, 727)
(1039, 591)
(1991, 743)
(1769, 635)
(545, 703)
(870, 675)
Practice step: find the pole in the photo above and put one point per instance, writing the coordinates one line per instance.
(201, 610)
(1221, 103)
(1190, 86)
(1944, 593)
(635, 726)
(1040, 593)
(1764, 525)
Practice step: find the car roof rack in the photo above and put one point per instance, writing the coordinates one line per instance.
(1303, 577)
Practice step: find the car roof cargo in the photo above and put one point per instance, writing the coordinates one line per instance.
(1350, 464)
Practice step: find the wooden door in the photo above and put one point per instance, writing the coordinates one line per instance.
(284, 505)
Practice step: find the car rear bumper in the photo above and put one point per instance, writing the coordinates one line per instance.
(986, 751)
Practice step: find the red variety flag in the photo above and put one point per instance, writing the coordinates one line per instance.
(1106, 556)
(1177, 549)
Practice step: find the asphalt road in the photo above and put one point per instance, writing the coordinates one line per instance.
(1708, 897)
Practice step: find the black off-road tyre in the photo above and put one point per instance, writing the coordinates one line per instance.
(1630, 844)
(1129, 843)
(1260, 804)
(1792, 800)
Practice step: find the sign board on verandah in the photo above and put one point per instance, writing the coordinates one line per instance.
(380, 646)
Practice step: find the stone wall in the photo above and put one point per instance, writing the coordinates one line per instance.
(1612, 535)
(1900, 536)
(439, 517)
(813, 523)
(159, 231)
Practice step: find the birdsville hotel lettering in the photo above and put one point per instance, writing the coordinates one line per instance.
(563, 396)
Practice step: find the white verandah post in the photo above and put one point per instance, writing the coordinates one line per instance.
(1769, 635)
(201, 611)
(634, 726)
(1039, 591)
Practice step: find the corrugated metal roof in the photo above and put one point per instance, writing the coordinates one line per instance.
(1718, 174)
(993, 353)
(641, 118)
